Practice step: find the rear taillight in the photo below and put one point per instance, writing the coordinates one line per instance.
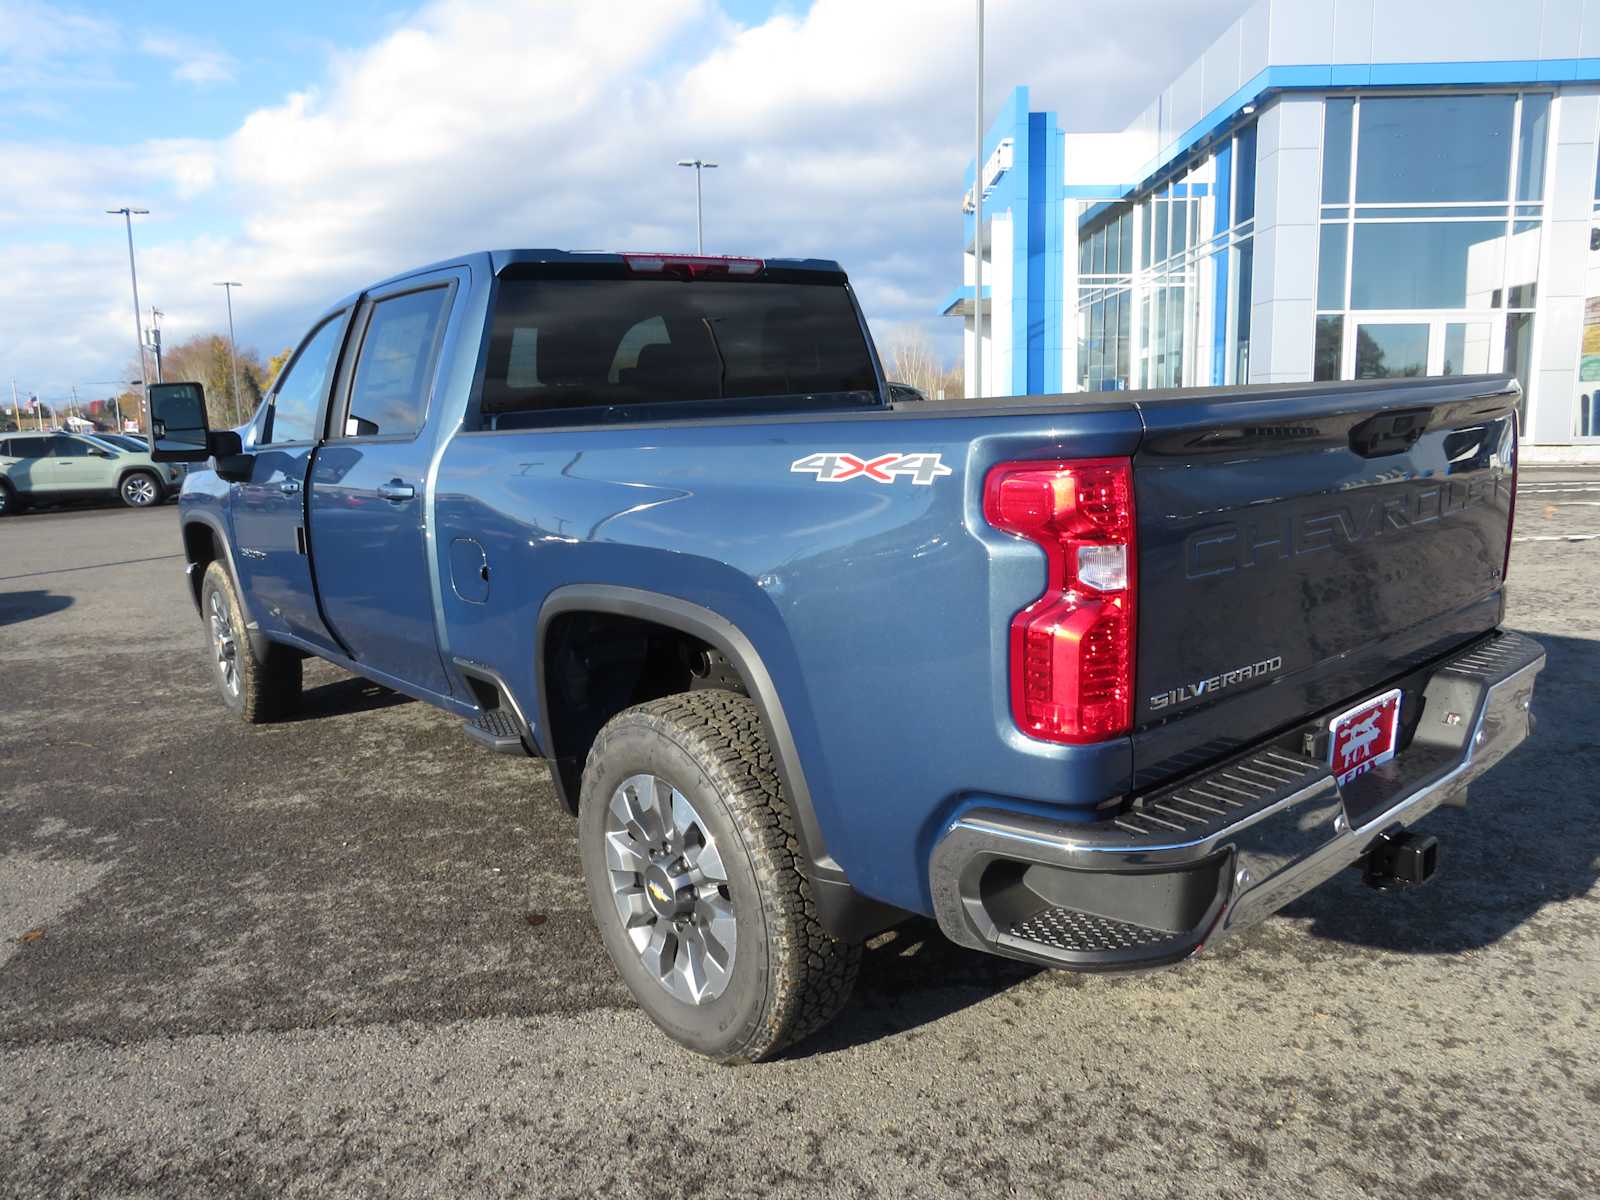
(1072, 648)
(1511, 514)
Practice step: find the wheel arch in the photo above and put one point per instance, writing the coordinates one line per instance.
(206, 541)
(843, 910)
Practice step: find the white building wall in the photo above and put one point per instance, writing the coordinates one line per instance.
(997, 350)
(1288, 209)
(1563, 278)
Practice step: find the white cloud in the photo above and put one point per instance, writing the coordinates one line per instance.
(194, 60)
(842, 132)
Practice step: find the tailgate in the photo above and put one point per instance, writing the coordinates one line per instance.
(1299, 546)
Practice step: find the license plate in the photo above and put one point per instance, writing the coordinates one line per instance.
(1363, 737)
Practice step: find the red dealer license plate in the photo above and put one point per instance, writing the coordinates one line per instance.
(1364, 736)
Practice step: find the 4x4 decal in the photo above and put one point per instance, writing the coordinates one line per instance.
(837, 467)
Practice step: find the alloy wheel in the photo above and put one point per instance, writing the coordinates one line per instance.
(670, 888)
(223, 644)
(139, 490)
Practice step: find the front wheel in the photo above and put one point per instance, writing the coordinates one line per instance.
(8, 499)
(258, 688)
(140, 489)
(686, 837)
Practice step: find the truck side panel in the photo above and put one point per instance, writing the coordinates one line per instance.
(899, 595)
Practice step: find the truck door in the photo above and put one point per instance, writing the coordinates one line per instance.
(269, 524)
(368, 505)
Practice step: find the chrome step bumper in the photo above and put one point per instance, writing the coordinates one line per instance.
(1224, 850)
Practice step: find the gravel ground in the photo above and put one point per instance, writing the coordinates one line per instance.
(298, 960)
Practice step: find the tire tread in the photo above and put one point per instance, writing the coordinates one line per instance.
(812, 972)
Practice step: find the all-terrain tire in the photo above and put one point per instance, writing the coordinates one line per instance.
(789, 975)
(259, 689)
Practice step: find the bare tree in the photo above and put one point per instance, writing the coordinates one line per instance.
(911, 359)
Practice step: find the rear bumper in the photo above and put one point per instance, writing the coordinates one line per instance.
(1227, 848)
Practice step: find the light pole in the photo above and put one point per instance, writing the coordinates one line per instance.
(128, 215)
(155, 337)
(227, 286)
(977, 228)
(699, 165)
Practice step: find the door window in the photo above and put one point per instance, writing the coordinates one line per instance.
(390, 393)
(27, 447)
(1397, 351)
(66, 447)
(297, 399)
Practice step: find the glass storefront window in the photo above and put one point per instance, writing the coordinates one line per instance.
(1532, 140)
(1426, 149)
(1330, 348)
(1241, 324)
(1337, 121)
(1160, 250)
(1391, 351)
(1330, 266)
(1519, 355)
(1425, 264)
(1466, 348)
(1244, 196)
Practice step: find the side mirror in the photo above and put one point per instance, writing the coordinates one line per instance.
(901, 393)
(178, 428)
(360, 427)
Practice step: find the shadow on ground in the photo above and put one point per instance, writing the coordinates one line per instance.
(349, 695)
(16, 607)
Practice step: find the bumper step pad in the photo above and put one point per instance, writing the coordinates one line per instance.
(1084, 933)
(1225, 848)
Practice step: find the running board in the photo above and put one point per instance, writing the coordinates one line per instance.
(496, 729)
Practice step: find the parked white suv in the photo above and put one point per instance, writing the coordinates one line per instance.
(47, 467)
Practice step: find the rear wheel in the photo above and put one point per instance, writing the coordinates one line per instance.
(8, 499)
(258, 688)
(686, 839)
(140, 489)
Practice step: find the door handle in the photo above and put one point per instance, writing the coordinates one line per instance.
(288, 487)
(395, 490)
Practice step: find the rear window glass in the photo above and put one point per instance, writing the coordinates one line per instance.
(577, 344)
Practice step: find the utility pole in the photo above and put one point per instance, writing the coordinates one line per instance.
(977, 228)
(128, 215)
(16, 413)
(699, 165)
(155, 337)
(227, 287)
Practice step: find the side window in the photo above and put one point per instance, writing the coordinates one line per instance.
(66, 447)
(27, 447)
(389, 395)
(303, 384)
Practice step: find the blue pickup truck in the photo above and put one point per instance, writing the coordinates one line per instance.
(1091, 680)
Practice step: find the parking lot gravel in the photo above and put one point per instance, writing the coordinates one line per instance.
(350, 955)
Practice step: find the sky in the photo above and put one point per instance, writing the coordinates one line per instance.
(308, 149)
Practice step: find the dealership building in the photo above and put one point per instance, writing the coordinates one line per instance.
(1336, 189)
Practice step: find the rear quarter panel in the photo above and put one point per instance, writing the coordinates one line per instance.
(880, 609)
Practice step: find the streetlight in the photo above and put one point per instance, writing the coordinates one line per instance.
(977, 227)
(227, 286)
(699, 165)
(128, 215)
(155, 338)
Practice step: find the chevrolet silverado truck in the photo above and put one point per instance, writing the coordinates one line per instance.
(1091, 680)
